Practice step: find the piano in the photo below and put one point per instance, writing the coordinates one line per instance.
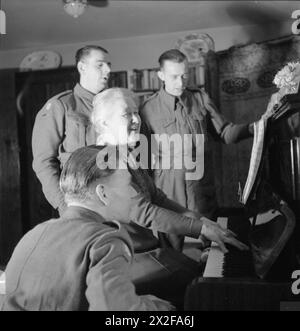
(261, 278)
(2, 287)
(2, 283)
(277, 225)
(235, 263)
(231, 282)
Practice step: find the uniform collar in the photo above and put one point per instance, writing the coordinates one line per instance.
(75, 212)
(84, 94)
(170, 100)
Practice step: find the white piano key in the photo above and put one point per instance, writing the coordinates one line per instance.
(2, 283)
(214, 264)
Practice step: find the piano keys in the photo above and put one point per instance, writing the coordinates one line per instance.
(235, 263)
(2, 283)
(229, 281)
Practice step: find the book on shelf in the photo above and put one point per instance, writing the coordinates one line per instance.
(145, 79)
(118, 79)
(196, 75)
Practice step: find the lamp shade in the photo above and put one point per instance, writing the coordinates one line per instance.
(75, 8)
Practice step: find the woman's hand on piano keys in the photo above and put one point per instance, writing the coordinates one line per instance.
(214, 232)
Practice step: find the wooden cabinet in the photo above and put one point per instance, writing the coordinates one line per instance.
(10, 196)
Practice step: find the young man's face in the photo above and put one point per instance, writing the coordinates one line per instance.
(95, 68)
(122, 122)
(175, 77)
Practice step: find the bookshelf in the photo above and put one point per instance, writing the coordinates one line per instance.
(118, 79)
(145, 82)
(147, 79)
(196, 74)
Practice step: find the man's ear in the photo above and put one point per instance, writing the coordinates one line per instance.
(101, 193)
(161, 75)
(80, 67)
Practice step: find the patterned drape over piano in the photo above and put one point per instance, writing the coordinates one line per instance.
(245, 77)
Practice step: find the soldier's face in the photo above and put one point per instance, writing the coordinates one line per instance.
(96, 69)
(175, 77)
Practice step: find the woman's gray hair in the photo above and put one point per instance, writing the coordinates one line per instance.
(104, 101)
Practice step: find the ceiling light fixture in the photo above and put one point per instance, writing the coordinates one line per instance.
(75, 8)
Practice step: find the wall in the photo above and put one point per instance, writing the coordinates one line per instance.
(143, 51)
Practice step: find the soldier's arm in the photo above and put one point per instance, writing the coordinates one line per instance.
(47, 135)
(167, 217)
(160, 199)
(227, 131)
(108, 280)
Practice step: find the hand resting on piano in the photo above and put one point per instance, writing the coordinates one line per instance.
(221, 236)
(233, 263)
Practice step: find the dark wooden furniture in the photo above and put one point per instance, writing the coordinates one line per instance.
(10, 195)
(212, 294)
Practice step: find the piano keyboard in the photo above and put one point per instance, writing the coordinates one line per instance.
(215, 261)
(235, 263)
(2, 282)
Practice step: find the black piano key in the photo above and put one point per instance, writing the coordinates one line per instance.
(238, 263)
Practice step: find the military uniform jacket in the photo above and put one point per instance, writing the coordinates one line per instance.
(191, 114)
(77, 262)
(61, 127)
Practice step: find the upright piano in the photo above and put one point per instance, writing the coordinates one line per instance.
(259, 279)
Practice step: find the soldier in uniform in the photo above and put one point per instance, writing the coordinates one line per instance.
(176, 109)
(82, 260)
(63, 125)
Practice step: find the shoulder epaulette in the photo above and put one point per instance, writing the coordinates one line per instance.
(63, 94)
(152, 96)
(62, 97)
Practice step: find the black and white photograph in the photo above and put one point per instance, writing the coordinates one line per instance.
(149, 158)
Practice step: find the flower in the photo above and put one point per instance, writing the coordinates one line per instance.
(288, 81)
(289, 76)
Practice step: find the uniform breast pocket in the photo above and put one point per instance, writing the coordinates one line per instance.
(169, 126)
(164, 125)
(75, 134)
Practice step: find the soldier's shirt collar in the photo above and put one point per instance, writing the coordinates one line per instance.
(84, 94)
(171, 100)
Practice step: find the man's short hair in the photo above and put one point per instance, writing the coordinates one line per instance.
(173, 55)
(80, 172)
(104, 101)
(86, 50)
